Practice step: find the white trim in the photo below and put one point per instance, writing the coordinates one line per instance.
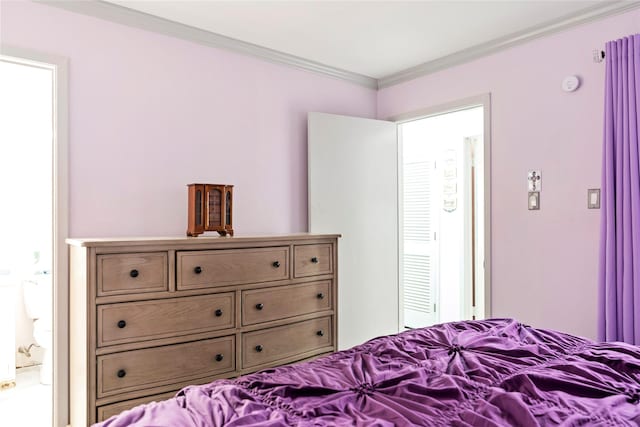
(560, 24)
(400, 157)
(466, 306)
(59, 66)
(134, 18)
(448, 107)
(483, 100)
(486, 102)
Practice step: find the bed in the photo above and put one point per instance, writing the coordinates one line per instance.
(476, 373)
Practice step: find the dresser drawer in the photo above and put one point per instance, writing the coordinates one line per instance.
(272, 344)
(108, 411)
(139, 321)
(152, 367)
(132, 273)
(312, 260)
(263, 305)
(203, 269)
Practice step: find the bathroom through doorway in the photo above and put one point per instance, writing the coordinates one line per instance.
(30, 226)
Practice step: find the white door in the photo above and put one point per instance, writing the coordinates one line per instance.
(353, 190)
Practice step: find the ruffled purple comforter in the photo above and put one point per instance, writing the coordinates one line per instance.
(478, 373)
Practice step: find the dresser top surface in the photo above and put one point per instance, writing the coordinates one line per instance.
(202, 240)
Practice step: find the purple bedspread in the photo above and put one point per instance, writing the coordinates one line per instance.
(477, 373)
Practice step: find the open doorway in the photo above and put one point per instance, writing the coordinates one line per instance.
(355, 188)
(442, 207)
(33, 226)
(26, 247)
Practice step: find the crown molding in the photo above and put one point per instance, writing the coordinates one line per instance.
(592, 13)
(133, 18)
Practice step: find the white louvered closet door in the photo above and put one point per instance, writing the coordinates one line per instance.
(420, 255)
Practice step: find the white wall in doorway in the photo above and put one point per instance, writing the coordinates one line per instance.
(441, 138)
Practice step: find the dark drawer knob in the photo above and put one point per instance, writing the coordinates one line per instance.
(320, 333)
(219, 357)
(197, 270)
(218, 313)
(276, 264)
(122, 324)
(134, 273)
(314, 260)
(259, 348)
(121, 373)
(320, 295)
(259, 306)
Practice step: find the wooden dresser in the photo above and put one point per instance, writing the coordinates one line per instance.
(150, 316)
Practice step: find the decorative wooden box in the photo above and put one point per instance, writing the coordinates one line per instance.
(210, 209)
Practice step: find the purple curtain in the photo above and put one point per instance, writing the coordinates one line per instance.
(619, 279)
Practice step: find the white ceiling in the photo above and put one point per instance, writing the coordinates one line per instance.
(372, 38)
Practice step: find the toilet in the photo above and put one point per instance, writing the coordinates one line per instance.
(38, 301)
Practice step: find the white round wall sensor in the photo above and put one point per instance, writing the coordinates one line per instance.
(570, 83)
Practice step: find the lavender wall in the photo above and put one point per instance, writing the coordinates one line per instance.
(544, 262)
(150, 114)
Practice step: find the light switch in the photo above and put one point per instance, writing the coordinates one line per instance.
(534, 200)
(593, 198)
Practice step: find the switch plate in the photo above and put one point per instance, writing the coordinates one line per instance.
(534, 200)
(593, 198)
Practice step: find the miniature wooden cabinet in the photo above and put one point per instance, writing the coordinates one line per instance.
(210, 209)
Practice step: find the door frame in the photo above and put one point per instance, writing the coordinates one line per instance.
(483, 100)
(59, 66)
